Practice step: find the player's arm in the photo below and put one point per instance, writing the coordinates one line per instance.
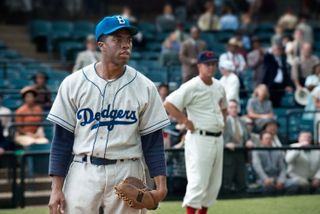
(60, 157)
(180, 116)
(153, 151)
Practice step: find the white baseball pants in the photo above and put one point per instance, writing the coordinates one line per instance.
(204, 158)
(87, 187)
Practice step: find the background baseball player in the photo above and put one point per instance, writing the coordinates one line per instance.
(205, 101)
(110, 117)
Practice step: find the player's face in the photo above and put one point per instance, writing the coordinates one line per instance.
(207, 70)
(117, 47)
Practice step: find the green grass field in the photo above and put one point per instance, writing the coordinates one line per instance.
(277, 205)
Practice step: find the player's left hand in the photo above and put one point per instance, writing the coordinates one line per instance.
(135, 193)
(159, 195)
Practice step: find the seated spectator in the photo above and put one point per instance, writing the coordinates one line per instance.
(272, 127)
(278, 35)
(255, 61)
(167, 21)
(43, 92)
(259, 107)
(247, 26)
(163, 90)
(288, 20)
(302, 65)
(303, 166)
(171, 44)
(28, 134)
(208, 21)
(228, 21)
(229, 80)
(255, 138)
(89, 56)
(276, 75)
(269, 166)
(4, 120)
(189, 51)
(236, 135)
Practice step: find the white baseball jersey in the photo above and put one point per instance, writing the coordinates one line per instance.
(108, 117)
(202, 102)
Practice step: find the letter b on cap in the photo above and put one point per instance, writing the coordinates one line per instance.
(121, 20)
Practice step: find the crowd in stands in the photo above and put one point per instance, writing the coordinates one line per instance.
(258, 69)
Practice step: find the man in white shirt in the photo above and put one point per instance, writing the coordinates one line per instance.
(229, 80)
(204, 99)
(232, 55)
(303, 166)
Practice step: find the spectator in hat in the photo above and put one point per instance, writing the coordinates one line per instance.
(43, 92)
(29, 134)
(233, 55)
(89, 56)
(229, 80)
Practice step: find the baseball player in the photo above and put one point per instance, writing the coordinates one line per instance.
(204, 99)
(110, 117)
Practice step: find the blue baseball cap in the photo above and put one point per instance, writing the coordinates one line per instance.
(206, 57)
(110, 24)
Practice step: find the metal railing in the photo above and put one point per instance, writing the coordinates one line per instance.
(21, 157)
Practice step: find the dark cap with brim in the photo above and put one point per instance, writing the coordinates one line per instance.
(207, 57)
(111, 24)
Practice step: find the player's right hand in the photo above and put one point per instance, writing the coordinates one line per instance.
(189, 125)
(57, 202)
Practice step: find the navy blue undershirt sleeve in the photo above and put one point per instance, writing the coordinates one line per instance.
(61, 151)
(153, 151)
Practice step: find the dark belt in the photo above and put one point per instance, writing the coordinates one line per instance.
(206, 133)
(98, 161)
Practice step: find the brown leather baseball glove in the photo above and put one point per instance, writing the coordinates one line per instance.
(136, 194)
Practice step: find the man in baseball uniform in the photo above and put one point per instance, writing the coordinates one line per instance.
(204, 99)
(110, 117)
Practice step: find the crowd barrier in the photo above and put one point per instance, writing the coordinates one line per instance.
(19, 159)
